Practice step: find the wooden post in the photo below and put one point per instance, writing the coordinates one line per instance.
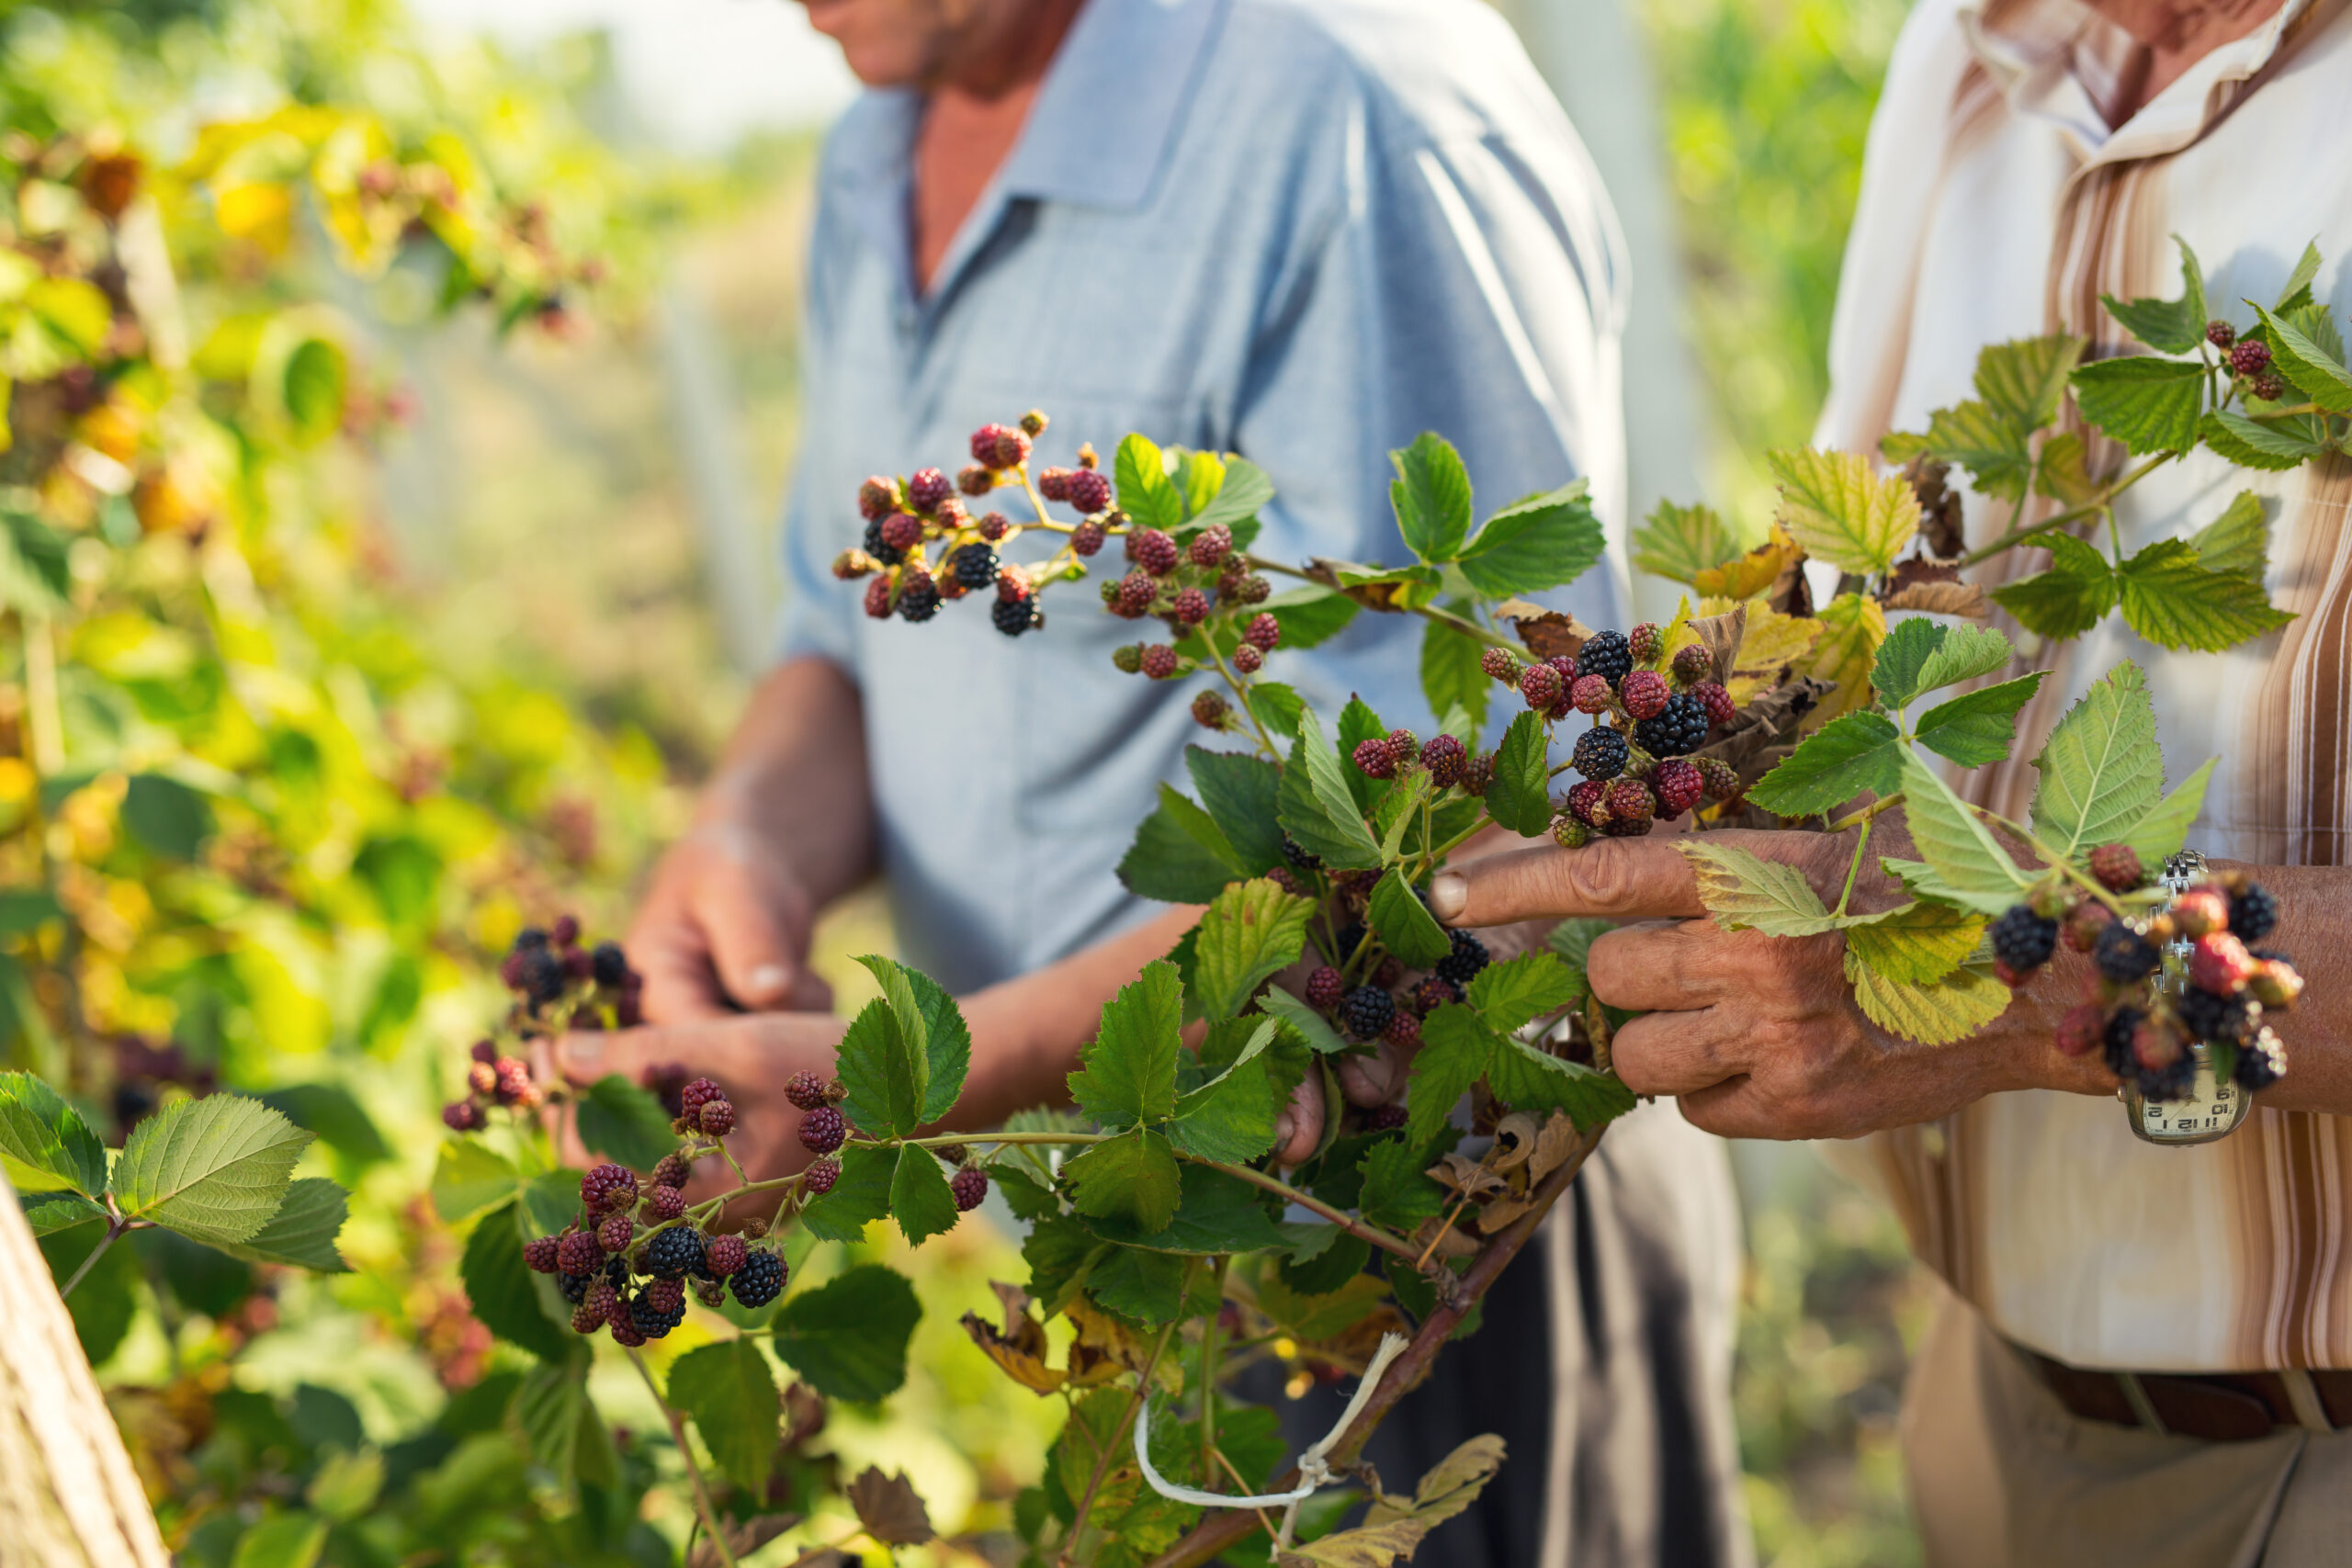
(68, 1496)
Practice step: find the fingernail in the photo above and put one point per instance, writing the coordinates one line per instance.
(581, 1050)
(1449, 895)
(1285, 1130)
(769, 980)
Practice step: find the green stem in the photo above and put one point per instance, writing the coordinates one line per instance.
(1361, 1231)
(114, 1229)
(1210, 1350)
(709, 1515)
(1854, 867)
(2098, 504)
(1241, 698)
(1855, 819)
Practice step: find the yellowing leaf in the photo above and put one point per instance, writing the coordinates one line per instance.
(1744, 891)
(1916, 943)
(1752, 573)
(1840, 511)
(1851, 629)
(1952, 1009)
(261, 213)
(1772, 643)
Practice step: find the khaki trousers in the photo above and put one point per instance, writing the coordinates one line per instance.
(2003, 1477)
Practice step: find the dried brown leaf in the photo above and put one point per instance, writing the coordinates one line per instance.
(888, 1510)
(1943, 599)
(1546, 633)
(1020, 1349)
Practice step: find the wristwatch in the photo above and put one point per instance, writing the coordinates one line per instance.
(2214, 1106)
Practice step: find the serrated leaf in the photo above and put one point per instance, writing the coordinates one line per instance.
(2065, 473)
(1275, 705)
(1572, 940)
(1545, 541)
(1216, 1214)
(1395, 1193)
(214, 1169)
(1952, 1009)
(2168, 326)
(2299, 282)
(44, 1144)
(888, 1509)
(624, 1122)
(1526, 1078)
(1232, 1117)
(1238, 790)
(2100, 769)
(860, 1195)
(848, 1338)
(501, 1289)
(876, 1063)
(1140, 474)
(2070, 598)
(919, 1197)
(2227, 443)
(1310, 1025)
(1431, 497)
(1451, 677)
(1977, 728)
(1129, 1074)
(1510, 995)
(550, 1201)
(1311, 614)
(1770, 645)
(1250, 931)
(303, 1231)
(1517, 796)
(1132, 1177)
(1316, 806)
(1860, 752)
(1841, 512)
(551, 1407)
(1679, 542)
(2150, 405)
(946, 1038)
(728, 1389)
(1747, 575)
(1956, 845)
(1399, 811)
(1405, 923)
(51, 1211)
(910, 1048)
(1457, 1045)
(2172, 599)
(2283, 441)
(2316, 373)
(468, 1178)
(1990, 446)
(2238, 540)
(2165, 829)
(1179, 855)
(1913, 663)
(1244, 489)
(2025, 380)
(1915, 943)
(1852, 626)
(1744, 891)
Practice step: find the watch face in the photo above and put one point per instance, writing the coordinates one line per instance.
(2212, 1109)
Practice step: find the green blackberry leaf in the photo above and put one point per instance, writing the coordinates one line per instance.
(2165, 826)
(1950, 838)
(1311, 615)
(48, 1211)
(2282, 441)
(2168, 326)
(876, 1065)
(1991, 447)
(334, 1115)
(503, 1292)
(861, 1195)
(1545, 541)
(1238, 790)
(848, 1338)
(174, 820)
(469, 1177)
(1129, 1071)
(1232, 1117)
(1510, 995)
(2229, 444)
(1198, 477)
(214, 1169)
(2170, 599)
(1399, 812)
(1313, 1315)
(2317, 374)
(1528, 1078)
(2150, 405)
(2064, 473)
(1216, 1214)
(1302, 1020)
(1518, 795)
(104, 1304)
(1147, 1287)
(2298, 291)
(1405, 924)
(1061, 1252)
(1179, 855)
(1918, 656)
(303, 1231)
(1132, 1177)
(1252, 931)
(920, 1200)
(1744, 891)
(1431, 497)
(1275, 705)
(1861, 751)
(1677, 543)
(2100, 768)
(1395, 1193)
(1243, 488)
(1457, 1045)
(1978, 727)
(1140, 474)
(560, 1424)
(730, 1393)
(2024, 382)
(1451, 677)
(1572, 940)
(623, 1122)
(1314, 805)
(938, 1023)
(1358, 722)
(2238, 540)
(2070, 598)
(44, 1142)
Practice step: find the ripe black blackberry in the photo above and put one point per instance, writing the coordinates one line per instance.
(2124, 955)
(805, 1089)
(659, 1308)
(1350, 937)
(1014, 616)
(674, 1251)
(542, 974)
(1367, 1011)
(2115, 1043)
(608, 966)
(2175, 1081)
(1298, 856)
(2262, 1061)
(969, 1186)
(673, 1170)
(573, 1287)
(2254, 912)
(880, 548)
(1600, 753)
(975, 565)
(1608, 655)
(2214, 1018)
(918, 598)
(760, 1280)
(1679, 729)
(1461, 966)
(2021, 939)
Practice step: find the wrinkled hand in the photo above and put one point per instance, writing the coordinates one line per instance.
(1759, 1037)
(750, 1056)
(724, 928)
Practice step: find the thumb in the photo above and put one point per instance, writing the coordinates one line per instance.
(584, 1056)
(1298, 1130)
(755, 950)
(1616, 878)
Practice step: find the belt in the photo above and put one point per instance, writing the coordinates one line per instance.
(2218, 1407)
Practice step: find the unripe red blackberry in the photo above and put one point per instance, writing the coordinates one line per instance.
(725, 1256)
(613, 1231)
(604, 1297)
(1630, 802)
(540, 1254)
(1367, 1011)
(2254, 912)
(2080, 1031)
(1678, 786)
(1375, 759)
(2117, 868)
(2270, 387)
(1539, 684)
(1479, 773)
(1152, 550)
(577, 1252)
(969, 1186)
(664, 1203)
(805, 1089)
(1404, 746)
(1254, 590)
(1446, 758)
(1159, 661)
(673, 1170)
(698, 1093)
(927, 487)
(1210, 545)
(718, 1118)
(2220, 333)
(1086, 539)
(1190, 606)
(587, 1319)
(1723, 779)
(1054, 484)
(1248, 660)
(759, 1280)
(462, 1116)
(1433, 992)
(1262, 632)
(1692, 664)
(1089, 492)
(818, 1179)
(624, 1330)
(1646, 643)
(878, 599)
(1589, 694)
(2199, 910)
(1720, 708)
(2080, 930)
(1599, 753)
(876, 499)
(1323, 988)
(1137, 590)
(902, 532)
(1209, 710)
(1500, 665)
(1643, 692)
(998, 447)
(994, 527)
(1403, 1032)
(1587, 802)
(823, 1130)
(2219, 963)
(609, 1186)
(2250, 357)
(975, 480)
(851, 565)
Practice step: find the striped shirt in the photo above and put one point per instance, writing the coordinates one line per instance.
(1998, 203)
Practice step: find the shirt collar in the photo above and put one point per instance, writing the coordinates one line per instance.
(1111, 101)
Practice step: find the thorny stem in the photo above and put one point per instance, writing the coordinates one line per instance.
(1854, 867)
(1119, 1433)
(694, 1471)
(2098, 504)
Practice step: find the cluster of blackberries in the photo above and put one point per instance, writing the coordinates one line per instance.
(823, 1128)
(624, 1264)
(2248, 360)
(1372, 1010)
(491, 1080)
(1160, 662)
(2143, 1020)
(1444, 757)
(558, 983)
(905, 517)
(1638, 795)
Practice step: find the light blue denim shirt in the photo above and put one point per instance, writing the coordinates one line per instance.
(1303, 230)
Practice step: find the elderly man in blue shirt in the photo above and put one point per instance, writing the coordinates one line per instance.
(1301, 230)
